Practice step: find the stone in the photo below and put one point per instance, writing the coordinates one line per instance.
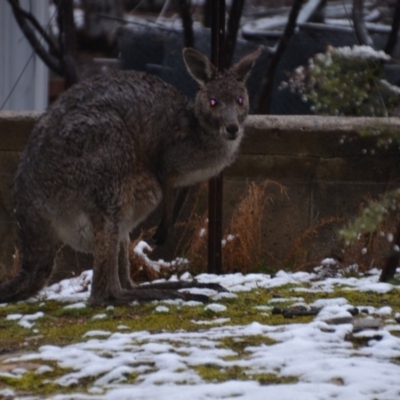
(361, 324)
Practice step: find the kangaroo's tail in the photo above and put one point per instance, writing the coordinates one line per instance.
(17, 288)
(29, 280)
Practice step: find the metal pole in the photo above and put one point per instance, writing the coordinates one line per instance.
(215, 184)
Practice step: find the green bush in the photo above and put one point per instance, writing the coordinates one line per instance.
(345, 81)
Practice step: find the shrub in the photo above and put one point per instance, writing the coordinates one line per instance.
(345, 81)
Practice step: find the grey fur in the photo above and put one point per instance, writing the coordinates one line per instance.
(103, 157)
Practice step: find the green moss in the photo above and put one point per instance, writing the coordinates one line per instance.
(358, 341)
(40, 384)
(395, 360)
(60, 326)
(45, 383)
(372, 217)
(73, 312)
(239, 345)
(385, 135)
(372, 299)
(216, 373)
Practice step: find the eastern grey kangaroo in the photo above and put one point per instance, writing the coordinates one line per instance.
(103, 157)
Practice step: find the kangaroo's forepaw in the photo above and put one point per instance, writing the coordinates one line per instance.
(178, 285)
(214, 286)
(159, 238)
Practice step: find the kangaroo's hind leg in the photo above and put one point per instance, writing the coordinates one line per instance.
(111, 283)
(124, 265)
(37, 249)
(106, 285)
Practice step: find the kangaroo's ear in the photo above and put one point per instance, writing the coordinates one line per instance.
(198, 66)
(244, 66)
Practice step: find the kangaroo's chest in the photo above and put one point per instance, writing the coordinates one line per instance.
(200, 175)
(207, 164)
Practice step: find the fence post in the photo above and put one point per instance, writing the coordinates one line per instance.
(215, 184)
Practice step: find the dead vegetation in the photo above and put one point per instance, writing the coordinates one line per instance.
(370, 250)
(304, 254)
(242, 249)
(242, 238)
(8, 273)
(242, 242)
(144, 269)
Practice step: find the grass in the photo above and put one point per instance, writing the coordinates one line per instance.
(242, 241)
(214, 373)
(60, 327)
(242, 251)
(242, 237)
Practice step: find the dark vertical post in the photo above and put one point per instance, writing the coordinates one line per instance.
(65, 18)
(187, 22)
(233, 25)
(215, 184)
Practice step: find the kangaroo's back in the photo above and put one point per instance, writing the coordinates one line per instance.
(144, 103)
(103, 157)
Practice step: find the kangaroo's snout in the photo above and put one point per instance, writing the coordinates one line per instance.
(232, 131)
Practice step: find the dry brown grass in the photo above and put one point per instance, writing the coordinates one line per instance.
(141, 271)
(8, 273)
(242, 240)
(196, 229)
(144, 269)
(242, 247)
(372, 249)
(304, 254)
(196, 248)
(242, 250)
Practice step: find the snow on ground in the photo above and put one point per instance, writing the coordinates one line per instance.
(326, 365)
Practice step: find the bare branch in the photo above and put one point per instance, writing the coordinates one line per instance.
(35, 23)
(265, 96)
(30, 35)
(360, 30)
(392, 40)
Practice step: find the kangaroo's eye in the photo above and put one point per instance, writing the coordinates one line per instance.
(240, 100)
(213, 102)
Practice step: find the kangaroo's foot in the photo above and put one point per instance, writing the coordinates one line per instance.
(183, 285)
(144, 294)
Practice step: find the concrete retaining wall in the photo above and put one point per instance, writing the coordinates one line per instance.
(326, 167)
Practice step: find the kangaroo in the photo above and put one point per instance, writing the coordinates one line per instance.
(103, 157)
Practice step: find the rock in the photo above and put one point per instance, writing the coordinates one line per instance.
(327, 329)
(287, 314)
(344, 319)
(276, 310)
(353, 311)
(360, 324)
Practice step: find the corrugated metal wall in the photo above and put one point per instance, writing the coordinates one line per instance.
(23, 76)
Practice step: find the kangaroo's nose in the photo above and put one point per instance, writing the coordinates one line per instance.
(232, 131)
